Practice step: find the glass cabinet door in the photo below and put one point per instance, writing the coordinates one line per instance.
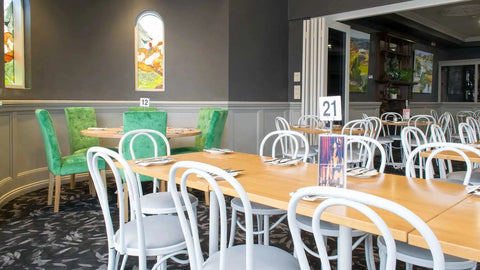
(458, 83)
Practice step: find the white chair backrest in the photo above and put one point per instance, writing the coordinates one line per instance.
(376, 125)
(189, 224)
(281, 123)
(361, 124)
(436, 149)
(149, 140)
(476, 114)
(361, 202)
(467, 133)
(461, 116)
(292, 146)
(364, 115)
(422, 121)
(412, 137)
(366, 148)
(434, 114)
(391, 116)
(310, 120)
(437, 134)
(474, 124)
(95, 154)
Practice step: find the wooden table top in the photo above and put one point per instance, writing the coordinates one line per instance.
(117, 133)
(335, 130)
(456, 230)
(271, 185)
(451, 155)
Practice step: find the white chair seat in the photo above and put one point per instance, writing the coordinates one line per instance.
(328, 229)
(161, 232)
(257, 209)
(423, 257)
(264, 257)
(393, 137)
(161, 203)
(457, 177)
(385, 139)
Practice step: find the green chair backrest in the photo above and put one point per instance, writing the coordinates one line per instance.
(52, 149)
(144, 120)
(143, 146)
(211, 122)
(142, 109)
(78, 119)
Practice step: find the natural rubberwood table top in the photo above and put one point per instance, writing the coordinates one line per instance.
(456, 229)
(451, 155)
(402, 123)
(271, 185)
(117, 133)
(335, 130)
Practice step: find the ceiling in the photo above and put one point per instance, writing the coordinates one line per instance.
(454, 25)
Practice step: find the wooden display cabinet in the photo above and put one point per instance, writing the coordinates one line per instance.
(394, 72)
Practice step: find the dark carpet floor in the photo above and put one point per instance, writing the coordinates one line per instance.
(33, 237)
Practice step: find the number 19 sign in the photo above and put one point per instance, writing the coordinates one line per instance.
(330, 108)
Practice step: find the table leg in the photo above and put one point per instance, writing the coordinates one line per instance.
(345, 248)
(214, 220)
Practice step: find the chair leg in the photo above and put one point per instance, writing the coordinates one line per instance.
(266, 229)
(103, 174)
(72, 181)
(233, 228)
(58, 188)
(125, 200)
(207, 197)
(163, 186)
(369, 253)
(408, 266)
(51, 184)
(91, 186)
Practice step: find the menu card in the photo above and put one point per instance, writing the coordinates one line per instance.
(331, 156)
(406, 114)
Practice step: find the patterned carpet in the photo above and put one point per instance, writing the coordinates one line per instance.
(34, 237)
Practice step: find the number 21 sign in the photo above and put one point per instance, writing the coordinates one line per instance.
(330, 108)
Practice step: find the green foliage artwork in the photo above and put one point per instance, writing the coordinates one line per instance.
(359, 58)
(423, 72)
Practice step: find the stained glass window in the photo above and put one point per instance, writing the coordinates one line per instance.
(149, 52)
(13, 43)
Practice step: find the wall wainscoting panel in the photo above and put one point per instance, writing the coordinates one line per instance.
(23, 168)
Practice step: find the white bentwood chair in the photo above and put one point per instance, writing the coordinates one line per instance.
(263, 212)
(154, 203)
(247, 256)
(282, 124)
(361, 202)
(332, 230)
(157, 235)
(412, 255)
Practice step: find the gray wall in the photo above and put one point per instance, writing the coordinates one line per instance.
(85, 50)
(258, 50)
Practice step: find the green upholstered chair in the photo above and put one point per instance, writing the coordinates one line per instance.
(59, 165)
(211, 121)
(78, 119)
(142, 109)
(143, 146)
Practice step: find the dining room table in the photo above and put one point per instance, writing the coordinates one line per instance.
(117, 132)
(336, 129)
(272, 185)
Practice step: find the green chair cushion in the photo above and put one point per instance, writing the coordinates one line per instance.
(142, 146)
(76, 164)
(78, 119)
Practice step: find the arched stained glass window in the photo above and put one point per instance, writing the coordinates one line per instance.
(149, 52)
(13, 43)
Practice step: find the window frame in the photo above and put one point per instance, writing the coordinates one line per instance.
(18, 45)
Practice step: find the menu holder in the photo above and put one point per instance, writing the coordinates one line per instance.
(332, 165)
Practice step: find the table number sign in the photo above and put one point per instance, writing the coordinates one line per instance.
(330, 108)
(331, 156)
(144, 102)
